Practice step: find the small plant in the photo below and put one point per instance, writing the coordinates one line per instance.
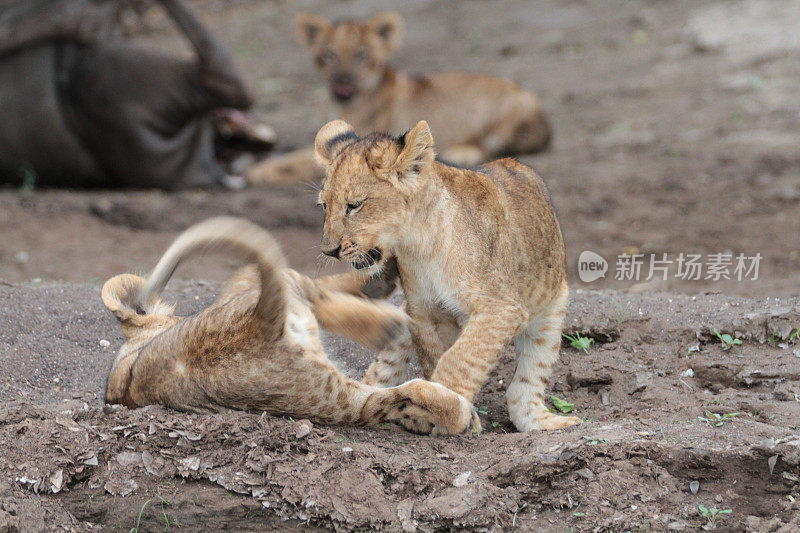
(562, 406)
(727, 341)
(716, 419)
(495, 424)
(578, 515)
(164, 502)
(483, 411)
(794, 336)
(621, 315)
(772, 341)
(579, 342)
(713, 515)
(135, 529)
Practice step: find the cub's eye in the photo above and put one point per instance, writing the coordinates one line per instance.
(323, 206)
(353, 206)
(329, 57)
(361, 57)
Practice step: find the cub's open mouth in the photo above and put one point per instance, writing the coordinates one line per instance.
(344, 91)
(372, 257)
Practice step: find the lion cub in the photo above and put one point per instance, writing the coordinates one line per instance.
(475, 117)
(258, 346)
(479, 253)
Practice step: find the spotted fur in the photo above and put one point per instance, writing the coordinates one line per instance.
(257, 347)
(479, 254)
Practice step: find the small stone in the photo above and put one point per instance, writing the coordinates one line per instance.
(129, 459)
(461, 479)
(22, 257)
(57, 481)
(104, 343)
(302, 428)
(694, 486)
(688, 373)
(347, 449)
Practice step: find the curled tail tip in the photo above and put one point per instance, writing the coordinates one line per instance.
(120, 294)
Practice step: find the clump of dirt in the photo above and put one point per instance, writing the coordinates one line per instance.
(652, 430)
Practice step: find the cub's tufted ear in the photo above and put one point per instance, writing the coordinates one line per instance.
(416, 151)
(331, 139)
(388, 27)
(308, 28)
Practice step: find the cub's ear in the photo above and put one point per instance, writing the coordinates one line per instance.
(416, 151)
(388, 27)
(308, 28)
(331, 140)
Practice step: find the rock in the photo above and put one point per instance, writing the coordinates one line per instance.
(302, 428)
(405, 510)
(119, 487)
(56, 481)
(126, 459)
(643, 379)
(677, 525)
(461, 479)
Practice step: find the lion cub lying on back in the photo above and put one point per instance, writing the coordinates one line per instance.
(475, 117)
(479, 252)
(258, 348)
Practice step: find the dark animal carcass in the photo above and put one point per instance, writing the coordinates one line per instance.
(78, 109)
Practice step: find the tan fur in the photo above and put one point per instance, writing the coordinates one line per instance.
(475, 117)
(479, 253)
(258, 346)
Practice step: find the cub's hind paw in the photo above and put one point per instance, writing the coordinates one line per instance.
(549, 422)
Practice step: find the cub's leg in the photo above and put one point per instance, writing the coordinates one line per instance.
(316, 389)
(464, 155)
(537, 346)
(422, 407)
(391, 367)
(465, 366)
(293, 167)
(357, 284)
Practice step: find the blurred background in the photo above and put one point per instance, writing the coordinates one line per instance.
(676, 129)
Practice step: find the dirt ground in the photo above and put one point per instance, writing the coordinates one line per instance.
(677, 129)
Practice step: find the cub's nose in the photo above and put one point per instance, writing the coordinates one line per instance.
(333, 252)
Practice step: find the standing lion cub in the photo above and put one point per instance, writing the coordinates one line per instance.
(258, 347)
(479, 252)
(475, 117)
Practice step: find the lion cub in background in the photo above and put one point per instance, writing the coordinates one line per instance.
(479, 252)
(475, 117)
(258, 346)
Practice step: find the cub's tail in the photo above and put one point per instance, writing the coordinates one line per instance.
(128, 296)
